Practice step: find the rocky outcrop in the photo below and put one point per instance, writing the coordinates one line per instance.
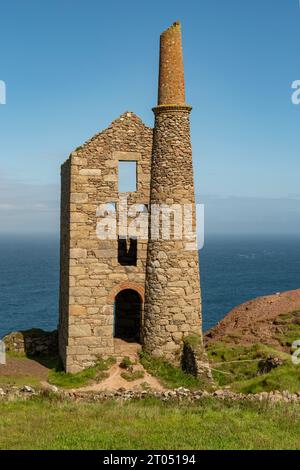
(257, 321)
(266, 365)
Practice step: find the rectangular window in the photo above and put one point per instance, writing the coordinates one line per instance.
(127, 176)
(127, 251)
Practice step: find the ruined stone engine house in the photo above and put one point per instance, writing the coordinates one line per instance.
(136, 290)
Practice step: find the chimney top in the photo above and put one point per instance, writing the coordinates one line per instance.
(171, 89)
(176, 24)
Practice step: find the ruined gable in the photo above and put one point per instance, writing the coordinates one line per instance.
(90, 270)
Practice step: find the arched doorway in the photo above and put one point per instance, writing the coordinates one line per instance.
(127, 321)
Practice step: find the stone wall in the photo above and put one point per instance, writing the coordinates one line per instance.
(179, 395)
(34, 342)
(64, 260)
(86, 320)
(194, 359)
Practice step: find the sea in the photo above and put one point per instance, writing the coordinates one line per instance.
(233, 269)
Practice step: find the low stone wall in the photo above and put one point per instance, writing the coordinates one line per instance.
(181, 394)
(34, 342)
(177, 395)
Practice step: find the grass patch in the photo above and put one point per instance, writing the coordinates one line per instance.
(290, 325)
(170, 376)
(287, 318)
(231, 363)
(291, 334)
(209, 424)
(130, 376)
(286, 377)
(238, 366)
(194, 341)
(19, 380)
(80, 379)
(14, 354)
(126, 363)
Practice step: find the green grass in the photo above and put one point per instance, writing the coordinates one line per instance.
(80, 379)
(126, 363)
(152, 425)
(19, 380)
(285, 377)
(238, 366)
(14, 354)
(193, 341)
(130, 376)
(290, 324)
(289, 336)
(231, 363)
(169, 376)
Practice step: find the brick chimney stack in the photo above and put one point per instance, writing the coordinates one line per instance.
(171, 72)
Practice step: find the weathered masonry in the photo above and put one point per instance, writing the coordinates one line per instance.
(140, 290)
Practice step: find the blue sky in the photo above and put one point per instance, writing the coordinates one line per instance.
(72, 66)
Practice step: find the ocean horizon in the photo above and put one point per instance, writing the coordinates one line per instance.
(233, 269)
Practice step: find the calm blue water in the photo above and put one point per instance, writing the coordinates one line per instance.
(233, 270)
(29, 276)
(236, 269)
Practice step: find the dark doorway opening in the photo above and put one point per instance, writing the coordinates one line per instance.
(128, 315)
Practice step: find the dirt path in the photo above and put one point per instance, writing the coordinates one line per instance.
(115, 381)
(20, 367)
